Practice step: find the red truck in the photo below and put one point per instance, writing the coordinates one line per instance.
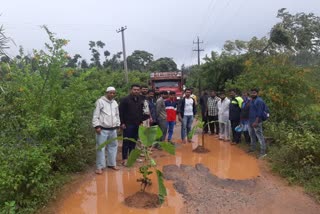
(168, 81)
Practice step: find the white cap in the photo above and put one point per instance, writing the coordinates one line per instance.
(110, 88)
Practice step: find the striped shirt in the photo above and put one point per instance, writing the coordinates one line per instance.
(212, 105)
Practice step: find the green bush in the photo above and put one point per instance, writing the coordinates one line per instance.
(45, 112)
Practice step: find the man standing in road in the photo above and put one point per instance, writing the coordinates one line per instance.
(223, 115)
(257, 107)
(162, 114)
(203, 104)
(171, 108)
(152, 107)
(234, 115)
(106, 121)
(187, 110)
(212, 113)
(131, 116)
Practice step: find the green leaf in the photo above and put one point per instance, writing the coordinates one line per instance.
(134, 154)
(168, 147)
(108, 141)
(148, 135)
(162, 189)
(111, 140)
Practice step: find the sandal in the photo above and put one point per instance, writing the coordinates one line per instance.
(114, 168)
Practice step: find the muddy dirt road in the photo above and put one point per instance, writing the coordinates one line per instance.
(225, 180)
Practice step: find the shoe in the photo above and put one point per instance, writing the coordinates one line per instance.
(233, 143)
(261, 156)
(98, 171)
(250, 151)
(184, 141)
(114, 168)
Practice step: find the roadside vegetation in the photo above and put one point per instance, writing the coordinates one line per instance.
(47, 99)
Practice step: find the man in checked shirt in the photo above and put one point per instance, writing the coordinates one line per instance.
(212, 113)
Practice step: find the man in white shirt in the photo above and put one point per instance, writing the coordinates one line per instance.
(106, 121)
(186, 112)
(223, 116)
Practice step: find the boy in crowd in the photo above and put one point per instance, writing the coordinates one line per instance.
(171, 109)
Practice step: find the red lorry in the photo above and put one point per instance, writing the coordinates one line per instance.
(168, 81)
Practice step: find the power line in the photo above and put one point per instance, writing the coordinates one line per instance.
(198, 49)
(122, 29)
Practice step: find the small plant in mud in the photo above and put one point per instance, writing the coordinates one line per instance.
(148, 137)
(199, 125)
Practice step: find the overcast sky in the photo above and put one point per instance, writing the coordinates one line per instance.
(165, 28)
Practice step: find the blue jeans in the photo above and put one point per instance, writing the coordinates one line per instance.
(131, 131)
(186, 125)
(170, 125)
(257, 133)
(112, 149)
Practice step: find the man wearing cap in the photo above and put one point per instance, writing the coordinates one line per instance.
(106, 121)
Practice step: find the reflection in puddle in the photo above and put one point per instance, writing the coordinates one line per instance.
(105, 193)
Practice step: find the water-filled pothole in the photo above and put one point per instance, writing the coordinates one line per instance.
(106, 193)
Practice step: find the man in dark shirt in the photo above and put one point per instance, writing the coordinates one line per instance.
(234, 115)
(203, 104)
(131, 116)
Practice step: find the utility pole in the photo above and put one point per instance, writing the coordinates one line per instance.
(198, 49)
(122, 29)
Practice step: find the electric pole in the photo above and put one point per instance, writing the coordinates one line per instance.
(122, 29)
(198, 49)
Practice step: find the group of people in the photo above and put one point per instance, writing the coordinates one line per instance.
(237, 115)
(144, 106)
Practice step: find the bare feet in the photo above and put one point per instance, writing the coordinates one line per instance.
(114, 168)
(98, 171)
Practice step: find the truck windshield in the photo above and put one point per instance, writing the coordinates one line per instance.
(166, 84)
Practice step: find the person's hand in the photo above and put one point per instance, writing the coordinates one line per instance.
(255, 125)
(180, 119)
(123, 126)
(98, 130)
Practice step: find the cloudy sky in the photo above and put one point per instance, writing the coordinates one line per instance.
(166, 28)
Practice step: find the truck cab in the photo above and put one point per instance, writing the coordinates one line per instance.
(168, 81)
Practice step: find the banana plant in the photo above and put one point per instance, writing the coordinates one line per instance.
(148, 137)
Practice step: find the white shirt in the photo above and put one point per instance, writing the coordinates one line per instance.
(223, 110)
(188, 107)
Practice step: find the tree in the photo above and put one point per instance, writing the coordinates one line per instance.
(162, 64)
(297, 32)
(94, 47)
(139, 60)
(84, 64)
(73, 62)
(4, 40)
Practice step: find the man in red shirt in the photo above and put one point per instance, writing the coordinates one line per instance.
(171, 109)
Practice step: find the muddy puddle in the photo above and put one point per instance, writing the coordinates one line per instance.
(105, 193)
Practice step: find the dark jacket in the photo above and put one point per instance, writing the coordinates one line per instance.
(245, 109)
(203, 103)
(181, 105)
(131, 110)
(235, 109)
(152, 108)
(256, 110)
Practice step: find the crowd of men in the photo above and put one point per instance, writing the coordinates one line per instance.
(235, 115)
(147, 107)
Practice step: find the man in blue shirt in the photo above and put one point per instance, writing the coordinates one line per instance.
(255, 123)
